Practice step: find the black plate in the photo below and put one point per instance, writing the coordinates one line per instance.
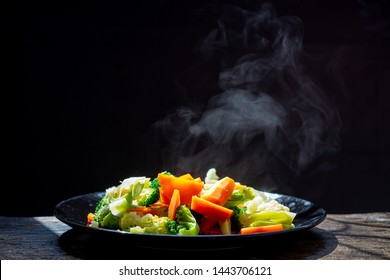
(74, 211)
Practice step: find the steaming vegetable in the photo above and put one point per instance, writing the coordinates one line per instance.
(149, 194)
(182, 205)
(269, 228)
(242, 218)
(211, 176)
(186, 223)
(210, 210)
(103, 216)
(220, 191)
(187, 186)
(118, 200)
(174, 204)
(148, 223)
(240, 195)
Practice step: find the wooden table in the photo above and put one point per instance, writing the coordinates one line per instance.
(340, 236)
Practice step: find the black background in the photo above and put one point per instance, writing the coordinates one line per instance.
(85, 83)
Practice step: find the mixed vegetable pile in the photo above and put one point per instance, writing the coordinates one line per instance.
(183, 205)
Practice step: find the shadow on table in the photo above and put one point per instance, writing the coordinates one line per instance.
(312, 244)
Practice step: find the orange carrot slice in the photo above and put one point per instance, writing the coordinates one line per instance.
(163, 198)
(220, 192)
(187, 187)
(210, 210)
(175, 202)
(268, 228)
(90, 217)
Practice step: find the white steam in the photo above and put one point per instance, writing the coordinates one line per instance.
(270, 122)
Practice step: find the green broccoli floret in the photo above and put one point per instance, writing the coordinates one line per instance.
(99, 205)
(103, 215)
(172, 227)
(238, 214)
(150, 194)
(109, 210)
(110, 221)
(240, 196)
(185, 222)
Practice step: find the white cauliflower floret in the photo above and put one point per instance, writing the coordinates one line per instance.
(112, 191)
(259, 204)
(130, 219)
(211, 176)
(148, 223)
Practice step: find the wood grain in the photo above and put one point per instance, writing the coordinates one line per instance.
(346, 236)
